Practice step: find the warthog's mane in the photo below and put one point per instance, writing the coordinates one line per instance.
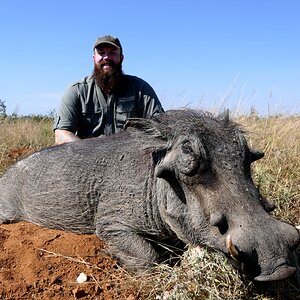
(188, 121)
(163, 130)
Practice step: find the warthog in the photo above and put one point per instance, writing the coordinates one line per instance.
(184, 176)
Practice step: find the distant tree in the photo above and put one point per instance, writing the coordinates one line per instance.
(2, 108)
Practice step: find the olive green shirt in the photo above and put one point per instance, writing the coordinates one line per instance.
(87, 112)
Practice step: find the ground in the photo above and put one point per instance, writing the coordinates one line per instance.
(40, 263)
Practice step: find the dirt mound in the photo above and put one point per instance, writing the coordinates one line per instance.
(39, 263)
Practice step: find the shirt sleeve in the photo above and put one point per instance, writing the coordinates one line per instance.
(150, 104)
(69, 111)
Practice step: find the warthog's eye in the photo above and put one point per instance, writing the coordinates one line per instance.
(187, 159)
(186, 148)
(188, 162)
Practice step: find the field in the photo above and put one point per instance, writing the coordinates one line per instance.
(38, 263)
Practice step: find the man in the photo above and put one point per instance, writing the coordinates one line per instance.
(101, 103)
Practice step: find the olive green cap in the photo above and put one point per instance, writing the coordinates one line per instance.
(108, 39)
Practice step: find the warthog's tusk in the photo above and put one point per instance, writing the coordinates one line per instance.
(231, 248)
(298, 227)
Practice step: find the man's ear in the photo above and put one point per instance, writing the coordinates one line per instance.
(121, 58)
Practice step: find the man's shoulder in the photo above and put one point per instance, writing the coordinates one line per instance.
(87, 80)
(135, 80)
(81, 86)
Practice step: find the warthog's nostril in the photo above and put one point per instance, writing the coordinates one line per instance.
(220, 221)
(223, 226)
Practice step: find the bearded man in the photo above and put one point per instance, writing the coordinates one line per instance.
(101, 103)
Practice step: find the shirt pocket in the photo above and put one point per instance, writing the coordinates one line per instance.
(126, 108)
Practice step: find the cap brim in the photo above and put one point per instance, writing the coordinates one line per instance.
(106, 43)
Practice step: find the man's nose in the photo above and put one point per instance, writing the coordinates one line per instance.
(106, 55)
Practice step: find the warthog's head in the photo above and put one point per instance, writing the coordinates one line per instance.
(208, 196)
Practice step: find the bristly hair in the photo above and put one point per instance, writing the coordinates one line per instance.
(187, 121)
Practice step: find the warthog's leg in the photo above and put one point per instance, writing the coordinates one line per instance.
(129, 248)
(9, 205)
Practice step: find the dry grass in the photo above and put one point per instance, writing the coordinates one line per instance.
(21, 136)
(278, 172)
(203, 274)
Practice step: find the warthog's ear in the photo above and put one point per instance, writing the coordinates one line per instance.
(256, 155)
(224, 116)
(146, 126)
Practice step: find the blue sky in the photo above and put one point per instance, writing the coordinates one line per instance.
(203, 54)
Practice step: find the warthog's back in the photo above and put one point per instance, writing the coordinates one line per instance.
(60, 186)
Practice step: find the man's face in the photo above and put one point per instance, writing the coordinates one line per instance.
(106, 58)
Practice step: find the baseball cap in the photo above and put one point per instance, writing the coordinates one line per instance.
(108, 39)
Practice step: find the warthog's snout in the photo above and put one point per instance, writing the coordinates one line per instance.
(270, 270)
(281, 272)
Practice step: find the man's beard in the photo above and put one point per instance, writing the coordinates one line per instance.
(108, 81)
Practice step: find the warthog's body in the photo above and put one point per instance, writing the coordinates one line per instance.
(185, 177)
